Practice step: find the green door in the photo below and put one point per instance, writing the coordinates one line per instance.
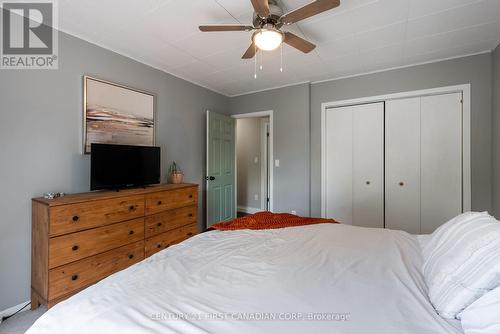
(221, 205)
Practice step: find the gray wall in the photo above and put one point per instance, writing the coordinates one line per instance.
(291, 142)
(41, 131)
(248, 146)
(496, 131)
(476, 70)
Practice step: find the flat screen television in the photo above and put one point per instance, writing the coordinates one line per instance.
(123, 166)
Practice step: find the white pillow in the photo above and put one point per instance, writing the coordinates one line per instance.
(483, 316)
(464, 263)
(436, 239)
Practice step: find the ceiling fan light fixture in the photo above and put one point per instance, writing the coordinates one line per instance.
(267, 39)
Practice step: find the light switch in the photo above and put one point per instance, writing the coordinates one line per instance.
(276, 163)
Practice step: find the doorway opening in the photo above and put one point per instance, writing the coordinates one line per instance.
(253, 161)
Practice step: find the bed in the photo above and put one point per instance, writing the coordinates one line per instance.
(324, 278)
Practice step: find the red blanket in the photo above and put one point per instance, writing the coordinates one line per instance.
(268, 220)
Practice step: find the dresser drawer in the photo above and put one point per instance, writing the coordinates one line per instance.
(79, 245)
(167, 239)
(162, 201)
(79, 274)
(80, 216)
(169, 220)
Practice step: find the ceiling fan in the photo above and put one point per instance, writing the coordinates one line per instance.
(268, 19)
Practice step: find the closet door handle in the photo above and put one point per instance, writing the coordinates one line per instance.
(401, 183)
(368, 182)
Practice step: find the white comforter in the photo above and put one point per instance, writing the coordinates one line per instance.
(355, 280)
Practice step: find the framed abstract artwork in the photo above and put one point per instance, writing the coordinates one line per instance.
(116, 114)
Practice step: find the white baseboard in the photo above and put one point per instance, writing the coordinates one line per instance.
(249, 210)
(14, 309)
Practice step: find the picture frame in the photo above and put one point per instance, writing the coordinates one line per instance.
(117, 114)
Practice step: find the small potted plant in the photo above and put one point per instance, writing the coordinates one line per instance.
(176, 174)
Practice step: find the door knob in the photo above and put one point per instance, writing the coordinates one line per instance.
(211, 178)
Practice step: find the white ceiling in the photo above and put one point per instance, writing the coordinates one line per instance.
(358, 37)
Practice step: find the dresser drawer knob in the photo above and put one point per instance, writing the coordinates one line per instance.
(131, 208)
(159, 224)
(131, 232)
(131, 256)
(190, 196)
(190, 215)
(74, 277)
(76, 218)
(190, 234)
(75, 247)
(160, 202)
(158, 246)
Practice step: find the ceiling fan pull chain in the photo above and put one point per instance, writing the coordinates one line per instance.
(261, 55)
(255, 65)
(281, 57)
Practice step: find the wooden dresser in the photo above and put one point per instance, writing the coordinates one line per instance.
(79, 239)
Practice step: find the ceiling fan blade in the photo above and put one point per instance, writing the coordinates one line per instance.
(250, 53)
(309, 10)
(298, 42)
(226, 27)
(261, 7)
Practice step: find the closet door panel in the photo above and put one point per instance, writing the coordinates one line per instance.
(441, 160)
(368, 165)
(339, 164)
(402, 165)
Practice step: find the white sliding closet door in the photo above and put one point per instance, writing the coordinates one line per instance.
(354, 164)
(441, 160)
(423, 162)
(368, 165)
(402, 165)
(339, 164)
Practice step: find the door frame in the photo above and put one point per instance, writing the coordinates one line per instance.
(265, 163)
(466, 135)
(258, 114)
